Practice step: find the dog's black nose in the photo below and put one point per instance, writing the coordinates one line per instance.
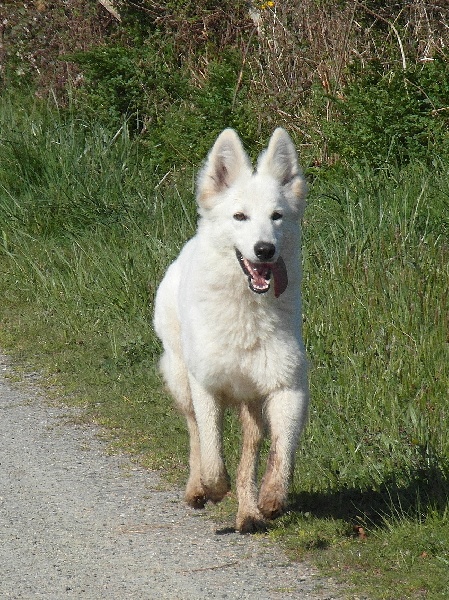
(264, 250)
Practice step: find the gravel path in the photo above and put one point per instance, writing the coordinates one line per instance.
(77, 523)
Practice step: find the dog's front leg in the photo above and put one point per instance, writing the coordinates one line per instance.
(286, 412)
(209, 418)
(249, 517)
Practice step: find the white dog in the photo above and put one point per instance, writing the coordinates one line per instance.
(228, 312)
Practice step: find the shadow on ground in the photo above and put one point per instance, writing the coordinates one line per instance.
(425, 490)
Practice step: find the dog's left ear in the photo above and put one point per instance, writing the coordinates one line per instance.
(281, 162)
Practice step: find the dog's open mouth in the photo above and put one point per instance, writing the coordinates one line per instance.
(260, 274)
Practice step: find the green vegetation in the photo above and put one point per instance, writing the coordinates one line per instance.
(97, 197)
(87, 228)
(397, 116)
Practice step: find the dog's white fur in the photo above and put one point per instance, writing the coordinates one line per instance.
(223, 343)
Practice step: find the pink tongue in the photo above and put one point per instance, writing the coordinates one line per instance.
(279, 272)
(259, 274)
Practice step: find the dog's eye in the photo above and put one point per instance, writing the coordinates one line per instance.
(239, 216)
(276, 216)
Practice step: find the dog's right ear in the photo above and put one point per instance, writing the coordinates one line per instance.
(226, 161)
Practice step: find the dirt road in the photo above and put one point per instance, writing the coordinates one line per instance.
(78, 523)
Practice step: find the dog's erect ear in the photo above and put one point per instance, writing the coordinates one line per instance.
(280, 161)
(226, 161)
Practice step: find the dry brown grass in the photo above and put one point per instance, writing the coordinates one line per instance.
(35, 35)
(308, 43)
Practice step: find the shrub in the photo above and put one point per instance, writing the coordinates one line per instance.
(135, 82)
(35, 34)
(178, 115)
(399, 115)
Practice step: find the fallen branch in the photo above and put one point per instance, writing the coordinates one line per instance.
(111, 9)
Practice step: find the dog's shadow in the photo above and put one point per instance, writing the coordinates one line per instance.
(403, 495)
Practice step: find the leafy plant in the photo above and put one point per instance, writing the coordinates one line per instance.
(393, 116)
(133, 83)
(178, 119)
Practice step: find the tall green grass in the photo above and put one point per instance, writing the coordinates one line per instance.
(376, 453)
(377, 323)
(87, 226)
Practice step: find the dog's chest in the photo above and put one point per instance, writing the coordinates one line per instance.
(243, 351)
(244, 324)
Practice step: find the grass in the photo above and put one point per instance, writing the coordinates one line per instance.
(88, 224)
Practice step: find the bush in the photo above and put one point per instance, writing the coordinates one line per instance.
(186, 131)
(35, 34)
(135, 82)
(178, 116)
(398, 116)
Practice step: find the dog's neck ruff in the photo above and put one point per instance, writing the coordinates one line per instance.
(259, 275)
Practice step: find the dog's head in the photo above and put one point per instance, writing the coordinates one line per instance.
(254, 210)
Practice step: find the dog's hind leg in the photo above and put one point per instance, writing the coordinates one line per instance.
(209, 419)
(249, 517)
(195, 495)
(177, 379)
(286, 411)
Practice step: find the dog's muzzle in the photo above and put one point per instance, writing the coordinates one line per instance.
(260, 274)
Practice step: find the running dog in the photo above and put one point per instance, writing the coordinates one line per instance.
(228, 312)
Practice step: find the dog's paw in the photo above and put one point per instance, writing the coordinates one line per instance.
(197, 501)
(251, 524)
(195, 495)
(271, 505)
(215, 492)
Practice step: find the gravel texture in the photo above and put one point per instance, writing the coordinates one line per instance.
(78, 523)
